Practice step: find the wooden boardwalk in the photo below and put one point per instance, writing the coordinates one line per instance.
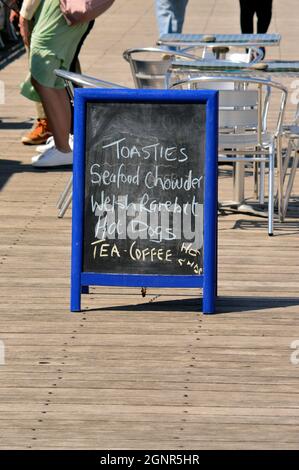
(131, 372)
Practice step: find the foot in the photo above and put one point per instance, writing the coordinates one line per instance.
(50, 144)
(52, 158)
(39, 134)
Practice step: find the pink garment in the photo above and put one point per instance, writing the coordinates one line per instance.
(81, 11)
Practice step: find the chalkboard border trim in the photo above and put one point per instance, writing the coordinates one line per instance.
(208, 281)
(138, 280)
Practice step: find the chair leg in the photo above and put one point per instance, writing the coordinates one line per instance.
(239, 174)
(64, 207)
(262, 183)
(65, 193)
(271, 193)
(287, 159)
(255, 179)
(290, 182)
(280, 177)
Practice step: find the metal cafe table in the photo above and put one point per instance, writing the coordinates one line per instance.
(276, 68)
(184, 41)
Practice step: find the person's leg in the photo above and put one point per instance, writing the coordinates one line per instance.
(264, 15)
(247, 11)
(40, 132)
(75, 66)
(180, 10)
(170, 15)
(58, 110)
(40, 112)
(164, 16)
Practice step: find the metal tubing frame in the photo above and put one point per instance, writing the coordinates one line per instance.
(127, 55)
(64, 193)
(71, 78)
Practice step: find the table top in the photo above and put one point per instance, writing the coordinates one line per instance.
(207, 40)
(285, 68)
(282, 66)
(207, 64)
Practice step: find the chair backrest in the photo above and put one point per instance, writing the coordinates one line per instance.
(243, 101)
(238, 105)
(149, 65)
(79, 80)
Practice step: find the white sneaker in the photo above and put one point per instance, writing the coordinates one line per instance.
(50, 144)
(52, 157)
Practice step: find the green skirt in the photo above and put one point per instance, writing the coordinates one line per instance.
(53, 46)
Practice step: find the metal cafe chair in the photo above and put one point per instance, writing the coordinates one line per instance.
(182, 70)
(243, 133)
(78, 80)
(290, 160)
(149, 65)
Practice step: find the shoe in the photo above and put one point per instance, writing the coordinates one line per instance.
(51, 158)
(39, 134)
(50, 144)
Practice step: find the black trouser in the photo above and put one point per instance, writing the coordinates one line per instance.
(263, 10)
(75, 66)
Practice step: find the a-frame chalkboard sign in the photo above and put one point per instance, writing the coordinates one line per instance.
(145, 191)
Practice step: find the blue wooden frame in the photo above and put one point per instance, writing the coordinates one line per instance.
(208, 280)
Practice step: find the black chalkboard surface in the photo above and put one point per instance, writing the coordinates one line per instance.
(144, 188)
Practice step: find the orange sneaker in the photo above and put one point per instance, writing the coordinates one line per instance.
(39, 134)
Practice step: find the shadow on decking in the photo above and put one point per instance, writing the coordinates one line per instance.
(250, 303)
(11, 125)
(194, 304)
(10, 167)
(287, 228)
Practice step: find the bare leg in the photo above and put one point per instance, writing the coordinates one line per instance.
(58, 110)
